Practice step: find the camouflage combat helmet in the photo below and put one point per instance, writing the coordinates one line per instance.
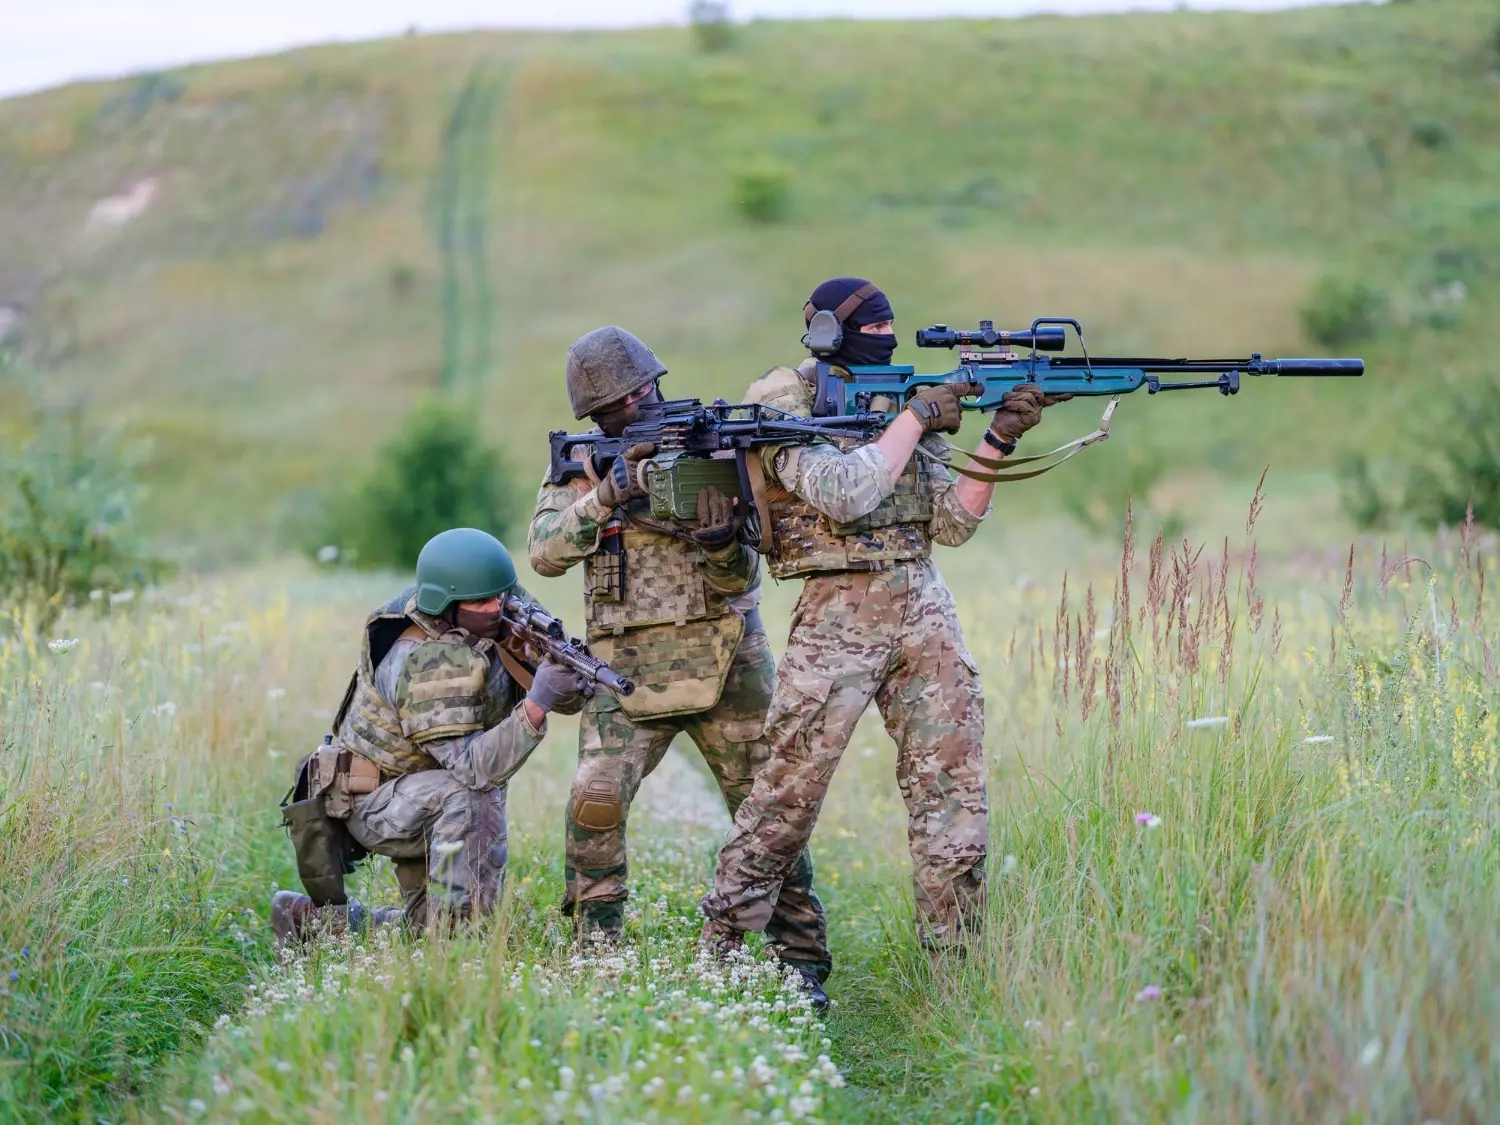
(461, 564)
(605, 365)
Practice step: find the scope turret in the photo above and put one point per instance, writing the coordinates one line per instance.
(1048, 338)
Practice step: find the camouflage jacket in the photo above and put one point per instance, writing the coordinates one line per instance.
(849, 486)
(428, 695)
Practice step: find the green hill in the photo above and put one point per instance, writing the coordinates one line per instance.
(264, 298)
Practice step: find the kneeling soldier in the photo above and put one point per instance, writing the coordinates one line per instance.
(433, 725)
(675, 607)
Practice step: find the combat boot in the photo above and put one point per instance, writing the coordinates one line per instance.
(812, 988)
(722, 942)
(290, 914)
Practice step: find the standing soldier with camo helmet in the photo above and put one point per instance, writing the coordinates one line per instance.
(676, 608)
(875, 621)
(434, 723)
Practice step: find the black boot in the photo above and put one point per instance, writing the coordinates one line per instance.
(813, 987)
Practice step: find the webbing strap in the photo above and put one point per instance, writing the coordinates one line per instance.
(756, 472)
(1062, 453)
(518, 670)
(847, 305)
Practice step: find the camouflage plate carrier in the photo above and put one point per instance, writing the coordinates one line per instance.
(653, 616)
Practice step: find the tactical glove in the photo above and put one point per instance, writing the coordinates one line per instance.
(1021, 409)
(556, 687)
(938, 408)
(620, 484)
(717, 523)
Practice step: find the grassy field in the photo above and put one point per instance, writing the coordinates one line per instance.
(1243, 869)
(1245, 797)
(1177, 182)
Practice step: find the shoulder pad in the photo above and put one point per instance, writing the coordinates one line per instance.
(783, 388)
(440, 690)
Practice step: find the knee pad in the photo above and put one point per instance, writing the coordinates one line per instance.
(596, 804)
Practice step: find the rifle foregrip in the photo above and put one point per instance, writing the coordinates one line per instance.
(1320, 367)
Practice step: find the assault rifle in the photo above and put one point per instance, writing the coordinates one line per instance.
(529, 627)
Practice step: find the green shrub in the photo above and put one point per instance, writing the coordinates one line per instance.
(762, 195)
(439, 471)
(1363, 499)
(712, 29)
(1339, 311)
(1464, 462)
(67, 532)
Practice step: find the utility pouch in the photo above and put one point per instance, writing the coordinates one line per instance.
(606, 566)
(340, 776)
(325, 851)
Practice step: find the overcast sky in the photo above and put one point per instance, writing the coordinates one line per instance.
(49, 42)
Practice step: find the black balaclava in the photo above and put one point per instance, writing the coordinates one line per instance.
(858, 348)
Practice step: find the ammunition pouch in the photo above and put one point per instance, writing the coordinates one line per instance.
(324, 849)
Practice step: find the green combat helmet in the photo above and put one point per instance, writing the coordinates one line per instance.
(460, 565)
(607, 364)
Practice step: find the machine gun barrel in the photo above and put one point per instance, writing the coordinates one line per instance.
(533, 627)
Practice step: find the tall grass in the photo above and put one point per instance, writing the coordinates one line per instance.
(1250, 873)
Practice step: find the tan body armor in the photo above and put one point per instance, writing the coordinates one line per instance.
(448, 692)
(654, 618)
(805, 541)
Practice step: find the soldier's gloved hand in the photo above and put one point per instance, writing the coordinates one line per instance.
(1021, 409)
(620, 485)
(556, 687)
(718, 522)
(938, 408)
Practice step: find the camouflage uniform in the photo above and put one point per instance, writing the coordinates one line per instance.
(874, 621)
(683, 622)
(434, 709)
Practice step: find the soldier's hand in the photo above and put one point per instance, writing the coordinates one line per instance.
(938, 408)
(620, 484)
(718, 522)
(1021, 409)
(556, 687)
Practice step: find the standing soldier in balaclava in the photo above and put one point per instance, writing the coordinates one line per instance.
(875, 621)
(676, 608)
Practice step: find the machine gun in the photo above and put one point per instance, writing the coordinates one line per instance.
(528, 632)
(698, 445)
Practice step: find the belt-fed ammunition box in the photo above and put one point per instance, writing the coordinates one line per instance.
(674, 480)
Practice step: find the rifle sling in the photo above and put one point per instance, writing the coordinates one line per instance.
(518, 670)
(755, 470)
(1062, 453)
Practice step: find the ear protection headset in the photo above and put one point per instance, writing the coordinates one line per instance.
(825, 327)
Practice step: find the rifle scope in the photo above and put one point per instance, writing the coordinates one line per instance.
(1048, 338)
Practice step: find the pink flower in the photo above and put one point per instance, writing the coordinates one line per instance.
(1148, 820)
(1150, 992)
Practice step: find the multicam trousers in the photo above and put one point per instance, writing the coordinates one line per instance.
(892, 636)
(616, 753)
(438, 831)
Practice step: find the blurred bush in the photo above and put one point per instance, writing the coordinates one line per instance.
(1464, 459)
(68, 497)
(711, 25)
(1339, 311)
(1461, 464)
(438, 471)
(763, 195)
